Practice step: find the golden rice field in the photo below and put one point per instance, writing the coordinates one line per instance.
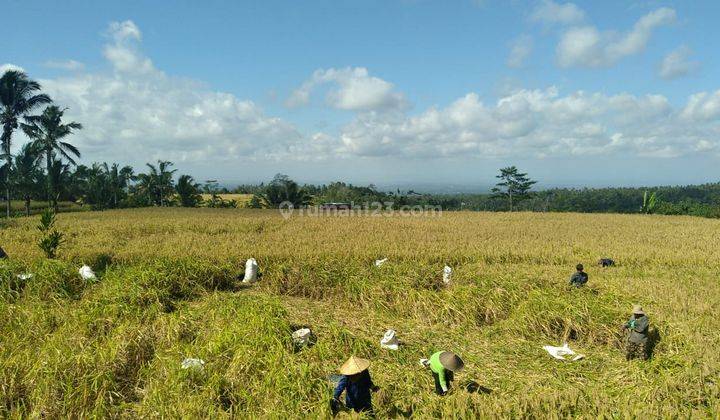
(167, 290)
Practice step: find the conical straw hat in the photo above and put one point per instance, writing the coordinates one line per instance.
(451, 361)
(354, 365)
(637, 309)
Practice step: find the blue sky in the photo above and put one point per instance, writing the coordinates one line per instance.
(389, 92)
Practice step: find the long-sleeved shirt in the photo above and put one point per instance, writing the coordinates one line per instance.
(440, 370)
(638, 326)
(579, 278)
(357, 393)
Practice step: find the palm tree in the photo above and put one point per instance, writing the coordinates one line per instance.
(157, 184)
(60, 175)
(188, 190)
(118, 178)
(281, 190)
(18, 97)
(47, 131)
(26, 174)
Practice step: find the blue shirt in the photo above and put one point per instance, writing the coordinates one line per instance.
(357, 394)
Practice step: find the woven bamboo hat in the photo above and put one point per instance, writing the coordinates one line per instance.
(451, 361)
(637, 309)
(354, 365)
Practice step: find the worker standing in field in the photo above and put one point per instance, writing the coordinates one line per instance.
(580, 277)
(357, 384)
(638, 326)
(444, 365)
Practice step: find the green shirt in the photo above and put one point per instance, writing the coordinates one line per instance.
(638, 327)
(438, 368)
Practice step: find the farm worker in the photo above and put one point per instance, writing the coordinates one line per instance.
(357, 384)
(637, 340)
(444, 365)
(580, 277)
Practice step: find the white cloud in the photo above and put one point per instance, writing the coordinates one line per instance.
(549, 12)
(703, 107)
(541, 123)
(520, 49)
(137, 112)
(123, 52)
(69, 65)
(586, 46)
(7, 67)
(351, 89)
(678, 63)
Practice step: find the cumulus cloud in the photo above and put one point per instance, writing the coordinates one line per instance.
(586, 46)
(7, 67)
(540, 123)
(549, 12)
(69, 65)
(520, 49)
(135, 111)
(350, 89)
(678, 63)
(703, 107)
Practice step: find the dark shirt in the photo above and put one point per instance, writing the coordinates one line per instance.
(357, 393)
(579, 278)
(638, 326)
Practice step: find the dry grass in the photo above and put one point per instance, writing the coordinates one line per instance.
(167, 291)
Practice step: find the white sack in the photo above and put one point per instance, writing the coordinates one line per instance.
(560, 353)
(251, 271)
(447, 274)
(390, 340)
(86, 273)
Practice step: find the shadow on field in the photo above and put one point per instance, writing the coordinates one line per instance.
(654, 338)
(475, 388)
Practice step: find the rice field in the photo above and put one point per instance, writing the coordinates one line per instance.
(167, 290)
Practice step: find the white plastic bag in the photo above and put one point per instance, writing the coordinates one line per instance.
(302, 337)
(447, 274)
(390, 340)
(378, 263)
(560, 353)
(87, 274)
(251, 271)
(191, 363)
(26, 276)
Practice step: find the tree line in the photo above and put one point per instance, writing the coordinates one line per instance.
(45, 168)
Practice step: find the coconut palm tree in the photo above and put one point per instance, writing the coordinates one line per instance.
(281, 190)
(58, 175)
(47, 131)
(26, 174)
(118, 178)
(157, 184)
(18, 97)
(188, 191)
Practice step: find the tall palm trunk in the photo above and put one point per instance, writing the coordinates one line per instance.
(7, 130)
(48, 161)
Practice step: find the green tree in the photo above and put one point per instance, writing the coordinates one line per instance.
(27, 175)
(188, 191)
(118, 179)
(282, 189)
(47, 132)
(51, 238)
(157, 185)
(513, 186)
(18, 97)
(649, 203)
(60, 176)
